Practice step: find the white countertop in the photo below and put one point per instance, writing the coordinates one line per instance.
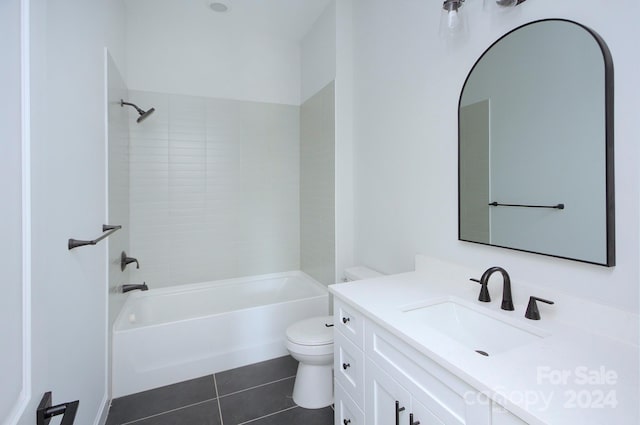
(585, 371)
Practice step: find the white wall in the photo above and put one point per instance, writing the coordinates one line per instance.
(327, 55)
(118, 193)
(68, 187)
(11, 312)
(318, 54)
(173, 49)
(318, 148)
(214, 189)
(407, 85)
(344, 139)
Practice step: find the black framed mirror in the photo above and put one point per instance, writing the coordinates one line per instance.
(535, 145)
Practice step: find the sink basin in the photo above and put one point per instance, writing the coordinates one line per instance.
(471, 327)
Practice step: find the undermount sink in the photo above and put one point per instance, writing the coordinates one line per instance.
(471, 327)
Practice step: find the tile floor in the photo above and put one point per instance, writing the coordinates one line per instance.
(258, 394)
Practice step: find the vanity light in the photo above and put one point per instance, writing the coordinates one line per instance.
(452, 21)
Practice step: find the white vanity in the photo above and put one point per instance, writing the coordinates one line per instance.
(402, 354)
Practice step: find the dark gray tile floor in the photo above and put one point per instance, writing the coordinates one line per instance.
(258, 394)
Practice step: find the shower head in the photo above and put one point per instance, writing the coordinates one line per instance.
(143, 114)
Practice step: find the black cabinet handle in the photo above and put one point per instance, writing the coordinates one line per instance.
(346, 421)
(345, 320)
(411, 420)
(345, 366)
(398, 410)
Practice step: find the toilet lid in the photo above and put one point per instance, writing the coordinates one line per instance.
(312, 331)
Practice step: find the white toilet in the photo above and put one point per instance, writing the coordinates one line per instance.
(310, 342)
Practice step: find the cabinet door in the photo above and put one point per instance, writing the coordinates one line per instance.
(347, 412)
(422, 415)
(386, 401)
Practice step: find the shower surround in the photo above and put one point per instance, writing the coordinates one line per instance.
(214, 189)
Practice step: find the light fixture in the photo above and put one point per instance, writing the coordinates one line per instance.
(500, 4)
(453, 22)
(219, 6)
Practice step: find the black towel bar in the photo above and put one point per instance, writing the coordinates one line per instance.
(109, 229)
(557, 207)
(46, 411)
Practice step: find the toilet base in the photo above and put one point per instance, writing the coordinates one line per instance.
(313, 388)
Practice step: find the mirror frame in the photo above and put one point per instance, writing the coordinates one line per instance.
(609, 146)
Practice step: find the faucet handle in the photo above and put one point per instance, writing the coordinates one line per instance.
(532, 309)
(484, 291)
(124, 261)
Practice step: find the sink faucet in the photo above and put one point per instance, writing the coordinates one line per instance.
(127, 288)
(507, 301)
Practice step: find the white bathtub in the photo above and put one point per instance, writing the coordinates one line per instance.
(173, 334)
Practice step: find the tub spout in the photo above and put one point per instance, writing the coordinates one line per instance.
(127, 288)
(124, 261)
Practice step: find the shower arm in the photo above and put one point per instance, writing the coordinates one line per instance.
(122, 103)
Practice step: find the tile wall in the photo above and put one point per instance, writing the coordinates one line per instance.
(214, 189)
(317, 185)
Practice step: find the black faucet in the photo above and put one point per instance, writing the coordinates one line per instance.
(507, 301)
(532, 308)
(124, 260)
(127, 288)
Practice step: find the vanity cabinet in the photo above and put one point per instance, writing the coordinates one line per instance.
(388, 402)
(382, 380)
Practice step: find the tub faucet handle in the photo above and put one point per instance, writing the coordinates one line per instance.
(124, 261)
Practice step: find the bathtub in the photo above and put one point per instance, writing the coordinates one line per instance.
(168, 335)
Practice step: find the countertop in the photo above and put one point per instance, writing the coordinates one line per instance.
(585, 370)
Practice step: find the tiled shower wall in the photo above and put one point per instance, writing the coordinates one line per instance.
(317, 186)
(214, 189)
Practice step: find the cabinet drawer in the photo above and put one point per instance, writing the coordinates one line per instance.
(438, 390)
(350, 322)
(348, 367)
(346, 410)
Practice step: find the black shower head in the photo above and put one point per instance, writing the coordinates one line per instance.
(143, 114)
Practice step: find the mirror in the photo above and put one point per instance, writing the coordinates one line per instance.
(536, 144)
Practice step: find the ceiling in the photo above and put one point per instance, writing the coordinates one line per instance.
(284, 18)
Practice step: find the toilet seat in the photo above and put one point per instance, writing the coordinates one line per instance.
(312, 332)
(310, 350)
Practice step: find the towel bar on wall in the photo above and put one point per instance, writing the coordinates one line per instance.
(74, 243)
(46, 411)
(557, 207)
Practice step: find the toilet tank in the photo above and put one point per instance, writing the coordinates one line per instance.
(359, 273)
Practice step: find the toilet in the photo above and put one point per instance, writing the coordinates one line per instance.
(310, 342)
